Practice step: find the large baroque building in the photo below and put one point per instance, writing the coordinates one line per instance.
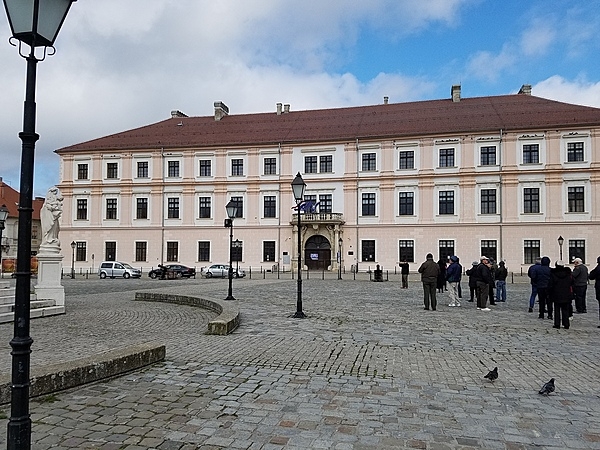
(502, 176)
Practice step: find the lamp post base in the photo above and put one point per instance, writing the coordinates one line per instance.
(299, 315)
(229, 297)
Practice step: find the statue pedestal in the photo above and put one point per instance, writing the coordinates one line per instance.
(49, 287)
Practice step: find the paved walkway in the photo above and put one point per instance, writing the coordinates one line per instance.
(368, 369)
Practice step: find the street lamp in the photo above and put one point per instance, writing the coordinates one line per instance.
(34, 23)
(237, 244)
(340, 243)
(231, 208)
(298, 186)
(3, 217)
(73, 245)
(561, 241)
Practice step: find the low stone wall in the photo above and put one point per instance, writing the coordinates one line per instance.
(48, 379)
(227, 321)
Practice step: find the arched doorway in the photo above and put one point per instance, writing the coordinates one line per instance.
(317, 253)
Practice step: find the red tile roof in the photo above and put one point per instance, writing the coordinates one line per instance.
(10, 198)
(395, 120)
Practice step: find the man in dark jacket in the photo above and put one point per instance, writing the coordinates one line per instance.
(500, 275)
(483, 277)
(541, 277)
(560, 291)
(595, 275)
(580, 277)
(404, 270)
(472, 280)
(429, 271)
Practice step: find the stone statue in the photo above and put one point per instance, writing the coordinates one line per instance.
(49, 216)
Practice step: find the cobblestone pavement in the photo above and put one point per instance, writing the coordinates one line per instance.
(368, 369)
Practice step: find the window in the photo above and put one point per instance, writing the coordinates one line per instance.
(237, 167)
(446, 202)
(111, 209)
(110, 251)
(406, 203)
(531, 154)
(368, 250)
(489, 249)
(488, 203)
(369, 162)
(488, 156)
(141, 208)
(270, 166)
(446, 249)
(173, 169)
(204, 207)
(141, 251)
(575, 151)
(326, 164)
(446, 157)
(368, 204)
(240, 206)
(82, 209)
(577, 249)
(325, 203)
(237, 250)
(81, 251)
(34, 232)
(270, 206)
(310, 164)
(82, 171)
(269, 251)
(172, 251)
(142, 169)
(205, 168)
(531, 200)
(204, 251)
(112, 170)
(407, 251)
(576, 199)
(531, 250)
(173, 208)
(406, 160)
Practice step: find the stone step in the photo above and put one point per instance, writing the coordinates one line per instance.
(33, 304)
(43, 308)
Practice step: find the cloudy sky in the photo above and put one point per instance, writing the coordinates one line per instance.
(122, 64)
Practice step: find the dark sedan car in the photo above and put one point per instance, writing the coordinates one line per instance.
(172, 271)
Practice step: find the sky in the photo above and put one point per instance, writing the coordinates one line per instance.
(124, 64)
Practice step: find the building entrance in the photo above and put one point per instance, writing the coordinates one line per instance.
(317, 253)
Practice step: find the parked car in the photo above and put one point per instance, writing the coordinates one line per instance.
(221, 270)
(116, 269)
(177, 270)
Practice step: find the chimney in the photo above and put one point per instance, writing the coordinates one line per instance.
(286, 108)
(456, 93)
(525, 89)
(279, 106)
(176, 113)
(385, 100)
(221, 110)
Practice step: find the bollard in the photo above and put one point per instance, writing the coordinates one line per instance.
(307, 274)
(250, 272)
(264, 274)
(323, 276)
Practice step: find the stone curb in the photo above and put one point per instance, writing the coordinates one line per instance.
(229, 314)
(52, 378)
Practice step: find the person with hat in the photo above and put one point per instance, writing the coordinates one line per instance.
(560, 291)
(453, 276)
(429, 271)
(580, 275)
(483, 277)
(595, 275)
(501, 274)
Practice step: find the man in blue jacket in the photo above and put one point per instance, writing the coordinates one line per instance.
(541, 276)
(530, 273)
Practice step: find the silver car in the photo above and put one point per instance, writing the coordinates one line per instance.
(221, 270)
(114, 269)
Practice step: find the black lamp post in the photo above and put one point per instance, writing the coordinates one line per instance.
(73, 245)
(237, 244)
(3, 217)
(231, 208)
(34, 23)
(340, 243)
(561, 241)
(298, 186)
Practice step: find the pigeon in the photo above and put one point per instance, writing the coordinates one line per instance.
(492, 374)
(548, 387)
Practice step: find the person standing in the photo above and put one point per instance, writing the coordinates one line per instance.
(472, 280)
(580, 276)
(441, 281)
(530, 273)
(501, 274)
(595, 275)
(541, 276)
(483, 277)
(429, 270)
(453, 276)
(560, 291)
(404, 270)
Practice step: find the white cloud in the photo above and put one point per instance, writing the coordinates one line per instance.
(537, 39)
(489, 66)
(580, 92)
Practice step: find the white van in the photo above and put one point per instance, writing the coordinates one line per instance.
(113, 269)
